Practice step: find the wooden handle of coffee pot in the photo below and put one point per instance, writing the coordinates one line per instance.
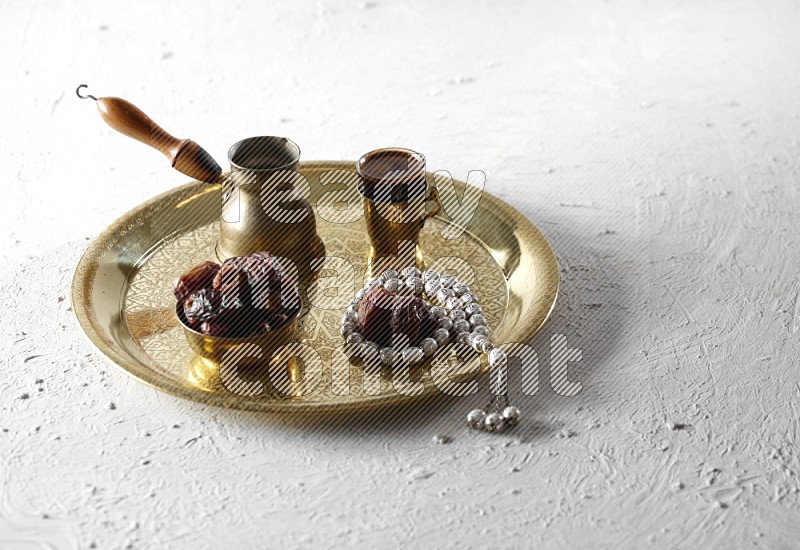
(185, 155)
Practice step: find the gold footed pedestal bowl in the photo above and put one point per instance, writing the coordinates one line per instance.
(122, 294)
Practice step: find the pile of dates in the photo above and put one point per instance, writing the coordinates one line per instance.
(245, 296)
(383, 315)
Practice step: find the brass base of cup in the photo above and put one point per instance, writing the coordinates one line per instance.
(204, 374)
(254, 379)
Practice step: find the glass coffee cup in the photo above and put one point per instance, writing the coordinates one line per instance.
(396, 199)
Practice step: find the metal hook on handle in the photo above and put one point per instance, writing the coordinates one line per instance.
(87, 96)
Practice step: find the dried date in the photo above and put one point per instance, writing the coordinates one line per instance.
(411, 317)
(375, 315)
(200, 276)
(245, 296)
(202, 305)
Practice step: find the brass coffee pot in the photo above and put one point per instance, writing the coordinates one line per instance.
(262, 209)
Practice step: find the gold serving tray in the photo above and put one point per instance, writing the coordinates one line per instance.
(122, 292)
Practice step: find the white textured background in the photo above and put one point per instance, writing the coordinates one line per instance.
(655, 143)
